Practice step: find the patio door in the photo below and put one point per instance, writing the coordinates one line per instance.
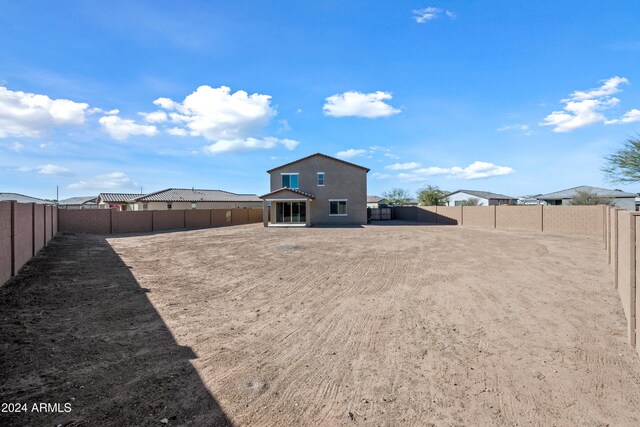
(291, 212)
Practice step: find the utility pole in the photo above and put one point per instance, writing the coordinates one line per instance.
(57, 195)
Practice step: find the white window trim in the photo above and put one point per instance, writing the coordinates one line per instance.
(323, 176)
(290, 173)
(339, 200)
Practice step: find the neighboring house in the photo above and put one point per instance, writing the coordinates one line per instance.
(83, 202)
(620, 198)
(181, 198)
(457, 198)
(412, 202)
(118, 201)
(317, 189)
(376, 202)
(531, 199)
(21, 198)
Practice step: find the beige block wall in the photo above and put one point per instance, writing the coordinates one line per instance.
(94, 221)
(585, 220)
(198, 218)
(5, 241)
(449, 215)
(627, 269)
(38, 230)
(22, 234)
(635, 295)
(479, 216)
(166, 220)
(162, 206)
(130, 222)
(426, 214)
(519, 217)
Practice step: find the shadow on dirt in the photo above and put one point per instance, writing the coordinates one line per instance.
(77, 329)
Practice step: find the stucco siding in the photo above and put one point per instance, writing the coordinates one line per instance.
(341, 182)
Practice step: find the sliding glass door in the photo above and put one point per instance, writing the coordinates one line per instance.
(291, 212)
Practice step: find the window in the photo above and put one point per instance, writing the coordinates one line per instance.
(290, 180)
(320, 179)
(337, 208)
(145, 206)
(459, 202)
(169, 206)
(194, 206)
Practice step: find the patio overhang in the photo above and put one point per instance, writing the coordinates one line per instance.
(287, 194)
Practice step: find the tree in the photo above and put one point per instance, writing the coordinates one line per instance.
(397, 197)
(586, 197)
(471, 201)
(432, 196)
(624, 164)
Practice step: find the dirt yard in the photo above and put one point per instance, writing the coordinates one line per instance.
(381, 325)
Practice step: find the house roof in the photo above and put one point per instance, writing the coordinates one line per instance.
(571, 192)
(21, 198)
(375, 199)
(293, 190)
(79, 200)
(318, 154)
(484, 195)
(195, 195)
(118, 197)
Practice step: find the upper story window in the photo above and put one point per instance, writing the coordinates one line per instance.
(320, 179)
(290, 180)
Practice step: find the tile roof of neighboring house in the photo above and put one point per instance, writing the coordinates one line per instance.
(318, 154)
(21, 198)
(195, 195)
(484, 195)
(571, 192)
(118, 197)
(79, 200)
(293, 190)
(375, 199)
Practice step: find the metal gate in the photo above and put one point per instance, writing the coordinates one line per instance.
(380, 214)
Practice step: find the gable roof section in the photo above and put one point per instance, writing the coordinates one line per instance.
(117, 197)
(571, 192)
(318, 154)
(21, 198)
(195, 195)
(484, 195)
(375, 199)
(302, 193)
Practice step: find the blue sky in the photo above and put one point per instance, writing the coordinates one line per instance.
(506, 96)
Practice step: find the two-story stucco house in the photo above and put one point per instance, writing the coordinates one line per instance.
(317, 189)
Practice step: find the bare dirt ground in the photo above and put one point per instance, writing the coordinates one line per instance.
(381, 325)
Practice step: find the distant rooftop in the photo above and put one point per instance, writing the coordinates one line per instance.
(118, 197)
(195, 195)
(81, 200)
(21, 198)
(485, 195)
(375, 199)
(571, 192)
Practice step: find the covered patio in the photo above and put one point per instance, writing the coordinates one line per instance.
(289, 207)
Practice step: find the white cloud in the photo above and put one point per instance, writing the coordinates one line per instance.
(378, 175)
(177, 132)
(391, 156)
(30, 115)
(351, 153)
(608, 88)
(628, 117)
(403, 166)
(357, 104)
(584, 108)
(53, 170)
(422, 16)
(475, 170)
(155, 117)
(121, 129)
(525, 129)
(107, 182)
(249, 144)
(218, 114)
(16, 146)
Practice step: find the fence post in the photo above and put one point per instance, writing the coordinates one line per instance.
(632, 280)
(184, 218)
(33, 229)
(615, 249)
(541, 218)
(462, 215)
(152, 222)
(13, 238)
(110, 221)
(210, 217)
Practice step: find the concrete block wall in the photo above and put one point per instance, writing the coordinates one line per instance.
(24, 230)
(518, 217)
(479, 216)
(449, 215)
(585, 220)
(427, 214)
(108, 221)
(5, 241)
